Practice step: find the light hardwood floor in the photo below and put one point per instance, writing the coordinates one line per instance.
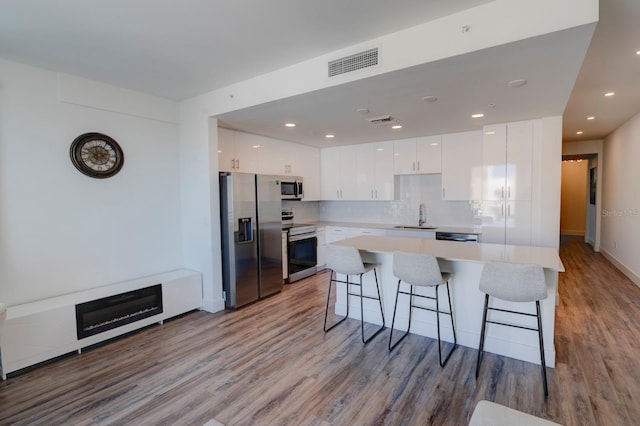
(271, 363)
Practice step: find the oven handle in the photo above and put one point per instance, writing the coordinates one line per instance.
(301, 237)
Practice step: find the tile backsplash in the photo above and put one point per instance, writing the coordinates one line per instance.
(411, 191)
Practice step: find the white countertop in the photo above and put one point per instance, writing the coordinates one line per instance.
(387, 226)
(547, 257)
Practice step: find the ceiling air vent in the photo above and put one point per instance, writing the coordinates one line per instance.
(384, 120)
(354, 62)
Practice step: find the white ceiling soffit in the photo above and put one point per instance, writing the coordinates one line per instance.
(472, 83)
(179, 49)
(611, 65)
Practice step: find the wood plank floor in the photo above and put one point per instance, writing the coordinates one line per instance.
(270, 363)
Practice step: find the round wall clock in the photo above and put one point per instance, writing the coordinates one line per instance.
(96, 155)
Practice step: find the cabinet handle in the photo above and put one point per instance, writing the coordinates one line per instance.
(509, 192)
(502, 196)
(376, 194)
(341, 193)
(337, 193)
(502, 208)
(233, 164)
(413, 166)
(418, 166)
(443, 196)
(238, 164)
(372, 194)
(508, 209)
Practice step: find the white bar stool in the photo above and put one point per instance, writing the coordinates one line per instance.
(421, 270)
(515, 283)
(347, 261)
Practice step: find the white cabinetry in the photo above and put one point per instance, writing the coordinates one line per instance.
(338, 170)
(374, 168)
(358, 172)
(461, 166)
(239, 152)
(247, 153)
(418, 156)
(507, 178)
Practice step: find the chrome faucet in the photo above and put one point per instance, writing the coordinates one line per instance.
(422, 217)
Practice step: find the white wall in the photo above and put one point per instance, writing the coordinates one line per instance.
(61, 231)
(621, 199)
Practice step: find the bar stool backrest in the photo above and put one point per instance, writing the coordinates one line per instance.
(344, 260)
(514, 282)
(417, 269)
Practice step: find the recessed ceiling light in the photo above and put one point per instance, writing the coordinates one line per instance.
(609, 94)
(638, 52)
(516, 83)
(435, 144)
(478, 115)
(363, 110)
(490, 132)
(379, 149)
(430, 98)
(329, 136)
(255, 146)
(396, 126)
(579, 132)
(290, 124)
(591, 117)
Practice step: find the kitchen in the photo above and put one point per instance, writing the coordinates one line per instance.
(390, 199)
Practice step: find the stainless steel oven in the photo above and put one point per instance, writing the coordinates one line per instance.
(291, 188)
(302, 251)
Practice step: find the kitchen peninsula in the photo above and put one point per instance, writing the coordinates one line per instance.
(465, 262)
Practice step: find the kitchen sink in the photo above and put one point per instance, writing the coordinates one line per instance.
(423, 228)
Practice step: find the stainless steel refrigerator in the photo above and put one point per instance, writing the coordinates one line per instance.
(251, 227)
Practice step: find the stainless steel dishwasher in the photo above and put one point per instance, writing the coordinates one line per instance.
(455, 236)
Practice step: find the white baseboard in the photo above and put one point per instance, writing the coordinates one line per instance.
(621, 266)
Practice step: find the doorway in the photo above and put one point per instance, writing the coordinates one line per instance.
(579, 197)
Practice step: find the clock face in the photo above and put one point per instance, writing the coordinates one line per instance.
(96, 155)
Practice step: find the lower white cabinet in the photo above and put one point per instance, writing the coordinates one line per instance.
(39, 331)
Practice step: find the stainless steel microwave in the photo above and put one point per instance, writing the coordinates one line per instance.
(291, 187)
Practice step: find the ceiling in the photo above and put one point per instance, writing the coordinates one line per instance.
(180, 49)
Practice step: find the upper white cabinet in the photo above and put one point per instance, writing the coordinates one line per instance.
(247, 153)
(461, 166)
(417, 156)
(358, 172)
(375, 171)
(507, 151)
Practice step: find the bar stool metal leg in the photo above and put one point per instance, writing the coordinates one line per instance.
(326, 312)
(542, 360)
(365, 341)
(393, 320)
(438, 312)
(482, 331)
